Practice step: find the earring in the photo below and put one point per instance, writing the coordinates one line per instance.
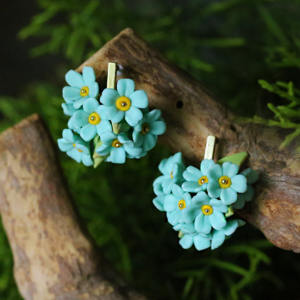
(200, 203)
(109, 127)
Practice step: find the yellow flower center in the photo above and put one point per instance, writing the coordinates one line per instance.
(171, 175)
(76, 148)
(94, 119)
(203, 180)
(116, 143)
(84, 91)
(145, 128)
(181, 204)
(207, 210)
(123, 103)
(225, 182)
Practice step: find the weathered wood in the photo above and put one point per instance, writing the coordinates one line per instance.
(191, 115)
(54, 259)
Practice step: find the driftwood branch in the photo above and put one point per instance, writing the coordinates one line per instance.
(54, 257)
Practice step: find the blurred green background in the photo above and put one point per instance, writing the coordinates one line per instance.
(228, 45)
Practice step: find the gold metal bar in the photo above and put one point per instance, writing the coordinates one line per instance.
(111, 75)
(210, 147)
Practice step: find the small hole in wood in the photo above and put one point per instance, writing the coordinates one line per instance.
(179, 104)
(232, 127)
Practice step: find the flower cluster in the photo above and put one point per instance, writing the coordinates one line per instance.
(115, 126)
(199, 202)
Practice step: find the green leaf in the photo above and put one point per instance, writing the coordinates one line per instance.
(237, 158)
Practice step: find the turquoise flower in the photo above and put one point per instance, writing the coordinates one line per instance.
(252, 177)
(207, 213)
(219, 236)
(196, 180)
(116, 146)
(159, 201)
(73, 126)
(92, 120)
(172, 169)
(146, 131)
(68, 109)
(225, 183)
(175, 204)
(81, 87)
(125, 102)
(75, 147)
(191, 237)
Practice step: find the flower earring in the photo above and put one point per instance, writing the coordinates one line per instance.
(117, 126)
(200, 203)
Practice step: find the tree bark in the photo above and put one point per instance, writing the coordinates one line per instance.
(54, 258)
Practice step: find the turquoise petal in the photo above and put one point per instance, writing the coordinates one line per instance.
(68, 109)
(214, 189)
(186, 241)
(133, 151)
(88, 75)
(230, 227)
(161, 166)
(74, 79)
(201, 243)
(90, 105)
(103, 149)
(187, 197)
(192, 187)
(107, 138)
(178, 158)
(190, 213)
(88, 132)
(177, 191)
(159, 180)
(185, 228)
(157, 128)
(240, 202)
(218, 205)
(218, 239)
(111, 112)
(239, 183)
(202, 223)
(64, 145)
(251, 175)
(201, 198)
(118, 117)
(217, 220)
(167, 185)
(174, 217)
(192, 174)
(230, 169)
(109, 97)
(123, 138)
(118, 155)
(175, 170)
(228, 196)
(72, 126)
(78, 103)
(139, 99)
(94, 90)
(249, 193)
(101, 111)
(125, 87)
(133, 116)
(171, 203)
(139, 126)
(69, 136)
(71, 93)
(205, 165)
(138, 138)
(159, 202)
(103, 126)
(80, 118)
(169, 165)
(153, 116)
(75, 154)
(86, 160)
(149, 142)
(83, 146)
(214, 173)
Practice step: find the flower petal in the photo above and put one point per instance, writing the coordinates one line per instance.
(185, 228)
(214, 173)
(167, 185)
(239, 183)
(111, 112)
(90, 105)
(138, 138)
(217, 220)
(107, 138)
(214, 189)
(71, 93)
(249, 193)
(202, 223)
(205, 165)
(240, 202)
(80, 118)
(149, 142)
(86, 160)
(118, 117)
(201, 198)
(125, 87)
(118, 155)
(83, 146)
(186, 241)
(218, 205)
(251, 175)
(192, 186)
(68, 109)
(152, 116)
(157, 128)
(201, 243)
(161, 166)
(88, 75)
(74, 79)
(109, 97)
(75, 154)
(103, 149)
(190, 213)
(133, 151)
(88, 132)
(230, 227)
(79, 102)
(103, 126)
(101, 111)
(69, 136)
(174, 217)
(159, 202)
(218, 239)
(171, 203)
(139, 99)
(228, 196)
(133, 116)
(177, 191)
(64, 145)
(94, 90)
(230, 169)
